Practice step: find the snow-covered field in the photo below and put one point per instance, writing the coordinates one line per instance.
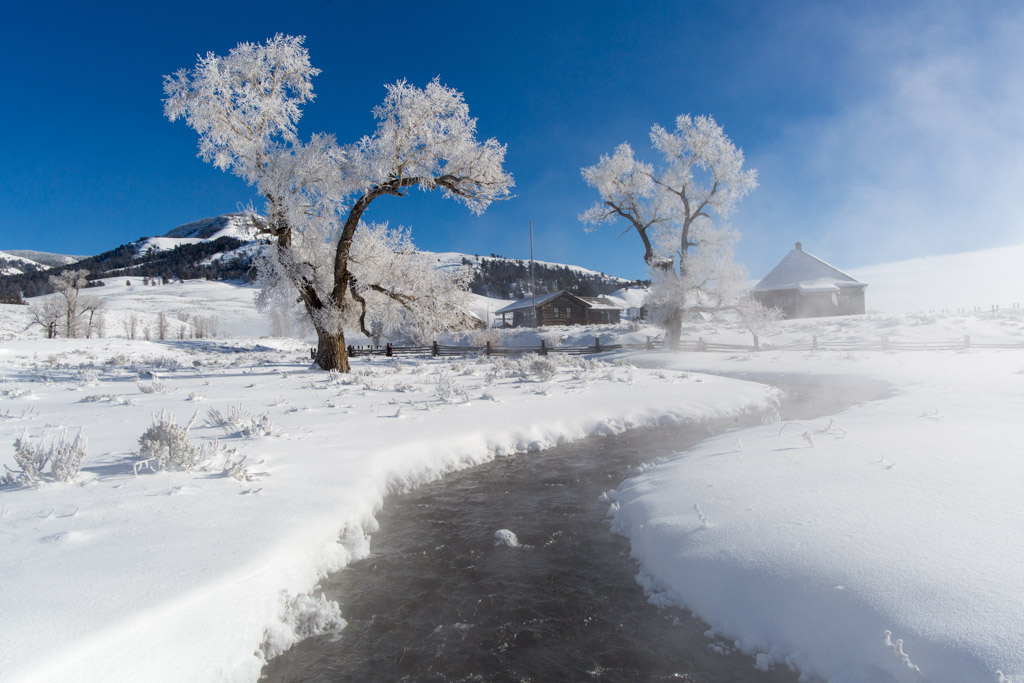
(900, 515)
(125, 575)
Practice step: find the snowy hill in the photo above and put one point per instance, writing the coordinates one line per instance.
(18, 261)
(985, 278)
(235, 225)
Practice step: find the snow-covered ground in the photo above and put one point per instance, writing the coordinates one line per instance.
(198, 575)
(900, 515)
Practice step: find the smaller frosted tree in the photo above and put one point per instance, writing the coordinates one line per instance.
(673, 209)
(68, 309)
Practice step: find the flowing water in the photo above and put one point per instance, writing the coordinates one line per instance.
(437, 600)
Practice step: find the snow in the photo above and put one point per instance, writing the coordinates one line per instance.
(984, 278)
(43, 259)
(506, 537)
(236, 225)
(899, 515)
(798, 269)
(115, 576)
(852, 547)
(528, 302)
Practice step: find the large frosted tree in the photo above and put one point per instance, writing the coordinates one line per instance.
(678, 209)
(347, 274)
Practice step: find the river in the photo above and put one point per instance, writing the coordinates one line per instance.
(438, 600)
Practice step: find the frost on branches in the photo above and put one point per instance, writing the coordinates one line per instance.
(673, 209)
(347, 274)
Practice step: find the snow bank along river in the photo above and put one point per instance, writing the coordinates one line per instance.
(508, 571)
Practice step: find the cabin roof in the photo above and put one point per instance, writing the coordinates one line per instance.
(591, 302)
(528, 302)
(802, 271)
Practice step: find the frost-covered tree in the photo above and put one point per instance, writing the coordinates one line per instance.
(673, 208)
(68, 309)
(245, 106)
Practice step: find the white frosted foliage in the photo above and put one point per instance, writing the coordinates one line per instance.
(673, 208)
(345, 273)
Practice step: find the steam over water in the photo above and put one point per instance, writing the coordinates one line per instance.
(439, 600)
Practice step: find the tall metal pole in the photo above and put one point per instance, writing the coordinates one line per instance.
(533, 284)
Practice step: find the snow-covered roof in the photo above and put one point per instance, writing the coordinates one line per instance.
(528, 302)
(598, 303)
(601, 303)
(800, 270)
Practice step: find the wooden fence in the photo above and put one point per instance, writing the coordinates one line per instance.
(815, 344)
(489, 349)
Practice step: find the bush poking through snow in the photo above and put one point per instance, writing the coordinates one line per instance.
(448, 391)
(542, 369)
(166, 445)
(64, 458)
(237, 421)
(236, 469)
(154, 387)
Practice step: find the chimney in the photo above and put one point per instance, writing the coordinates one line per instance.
(799, 247)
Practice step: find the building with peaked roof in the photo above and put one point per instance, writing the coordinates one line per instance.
(560, 308)
(804, 286)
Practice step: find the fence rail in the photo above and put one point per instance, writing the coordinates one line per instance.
(883, 344)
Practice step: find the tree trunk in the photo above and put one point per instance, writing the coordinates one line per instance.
(331, 353)
(674, 329)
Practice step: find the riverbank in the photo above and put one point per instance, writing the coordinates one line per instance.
(127, 574)
(882, 543)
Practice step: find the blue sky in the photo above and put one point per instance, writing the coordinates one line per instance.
(880, 131)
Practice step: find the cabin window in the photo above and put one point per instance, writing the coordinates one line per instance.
(568, 312)
(555, 310)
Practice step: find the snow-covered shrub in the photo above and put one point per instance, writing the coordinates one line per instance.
(115, 399)
(542, 369)
(448, 391)
(166, 445)
(88, 376)
(236, 469)
(64, 458)
(257, 426)
(231, 421)
(30, 457)
(163, 363)
(237, 421)
(154, 387)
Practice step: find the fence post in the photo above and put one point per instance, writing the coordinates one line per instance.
(814, 342)
(488, 349)
(543, 348)
(701, 346)
(387, 350)
(885, 342)
(434, 351)
(351, 351)
(597, 345)
(756, 343)
(649, 345)
(967, 341)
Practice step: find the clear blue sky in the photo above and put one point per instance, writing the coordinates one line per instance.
(880, 131)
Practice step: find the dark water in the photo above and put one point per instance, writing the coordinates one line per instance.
(438, 601)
